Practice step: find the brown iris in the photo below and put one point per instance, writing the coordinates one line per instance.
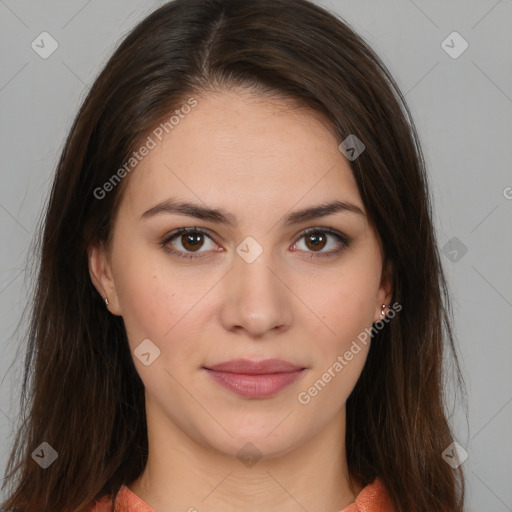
(316, 241)
(192, 241)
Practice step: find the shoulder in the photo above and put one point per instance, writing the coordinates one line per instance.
(373, 498)
(126, 501)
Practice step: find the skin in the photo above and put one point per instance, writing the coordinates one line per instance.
(259, 161)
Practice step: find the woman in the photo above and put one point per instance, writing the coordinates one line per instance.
(240, 302)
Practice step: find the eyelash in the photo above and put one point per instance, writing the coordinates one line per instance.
(343, 240)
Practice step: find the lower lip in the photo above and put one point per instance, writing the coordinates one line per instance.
(255, 386)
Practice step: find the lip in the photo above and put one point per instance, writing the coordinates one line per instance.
(249, 367)
(255, 379)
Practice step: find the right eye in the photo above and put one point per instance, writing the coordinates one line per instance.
(184, 242)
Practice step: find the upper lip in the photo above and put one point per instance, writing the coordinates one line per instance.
(249, 367)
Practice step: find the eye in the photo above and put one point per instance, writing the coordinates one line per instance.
(314, 240)
(185, 241)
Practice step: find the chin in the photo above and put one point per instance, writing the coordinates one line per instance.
(269, 438)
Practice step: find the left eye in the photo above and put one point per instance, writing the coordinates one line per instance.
(317, 239)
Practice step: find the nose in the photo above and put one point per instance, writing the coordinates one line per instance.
(255, 299)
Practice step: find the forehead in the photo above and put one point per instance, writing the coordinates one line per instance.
(238, 149)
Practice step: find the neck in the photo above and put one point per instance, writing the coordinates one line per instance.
(184, 474)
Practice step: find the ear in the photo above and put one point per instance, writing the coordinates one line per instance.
(385, 293)
(101, 276)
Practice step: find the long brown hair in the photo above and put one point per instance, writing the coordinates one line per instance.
(81, 392)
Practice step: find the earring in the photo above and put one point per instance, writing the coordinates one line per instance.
(106, 302)
(383, 308)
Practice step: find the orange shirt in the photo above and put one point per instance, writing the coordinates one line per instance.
(373, 498)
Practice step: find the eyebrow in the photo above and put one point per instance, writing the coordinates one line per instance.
(220, 216)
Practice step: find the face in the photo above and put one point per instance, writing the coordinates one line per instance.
(251, 279)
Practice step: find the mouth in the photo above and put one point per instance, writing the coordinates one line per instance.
(255, 379)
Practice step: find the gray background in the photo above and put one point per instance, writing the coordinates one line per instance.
(463, 110)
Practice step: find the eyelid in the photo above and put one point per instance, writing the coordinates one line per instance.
(324, 229)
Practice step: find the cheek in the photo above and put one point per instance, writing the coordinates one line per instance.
(143, 301)
(148, 299)
(345, 305)
(161, 304)
(341, 344)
